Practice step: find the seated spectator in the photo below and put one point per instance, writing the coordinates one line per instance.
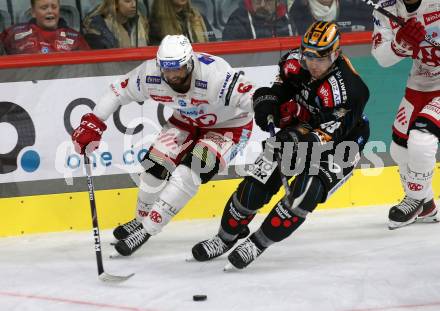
(115, 24)
(354, 15)
(350, 15)
(176, 17)
(46, 32)
(259, 19)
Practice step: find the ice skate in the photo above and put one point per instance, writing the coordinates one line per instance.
(128, 246)
(405, 212)
(243, 255)
(215, 247)
(123, 231)
(429, 213)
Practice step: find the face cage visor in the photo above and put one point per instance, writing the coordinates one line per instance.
(307, 53)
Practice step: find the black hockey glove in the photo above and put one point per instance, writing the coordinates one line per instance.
(266, 104)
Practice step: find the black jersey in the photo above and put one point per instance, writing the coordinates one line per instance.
(337, 99)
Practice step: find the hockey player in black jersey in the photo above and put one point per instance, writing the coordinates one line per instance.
(317, 101)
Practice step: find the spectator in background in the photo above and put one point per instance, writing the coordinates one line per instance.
(46, 32)
(175, 17)
(349, 15)
(115, 24)
(305, 12)
(259, 19)
(354, 15)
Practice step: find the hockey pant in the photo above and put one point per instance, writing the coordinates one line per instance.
(314, 185)
(183, 158)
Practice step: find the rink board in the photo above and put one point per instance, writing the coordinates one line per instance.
(71, 211)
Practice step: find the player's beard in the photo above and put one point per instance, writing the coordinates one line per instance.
(180, 85)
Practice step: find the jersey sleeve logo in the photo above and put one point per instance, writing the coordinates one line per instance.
(325, 94)
(431, 17)
(206, 59)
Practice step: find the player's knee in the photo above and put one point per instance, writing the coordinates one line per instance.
(182, 186)
(279, 224)
(422, 147)
(156, 166)
(307, 193)
(398, 153)
(253, 194)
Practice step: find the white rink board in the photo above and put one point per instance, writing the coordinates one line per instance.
(46, 101)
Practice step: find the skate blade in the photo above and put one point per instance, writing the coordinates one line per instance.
(190, 259)
(229, 268)
(428, 219)
(115, 255)
(392, 225)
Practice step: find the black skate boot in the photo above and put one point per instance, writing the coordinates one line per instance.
(429, 213)
(123, 231)
(405, 212)
(244, 254)
(212, 248)
(128, 246)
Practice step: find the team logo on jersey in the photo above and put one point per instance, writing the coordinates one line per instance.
(206, 59)
(182, 103)
(201, 84)
(153, 80)
(431, 17)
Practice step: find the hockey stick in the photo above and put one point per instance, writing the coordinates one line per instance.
(284, 180)
(102, 275)
(394, 18)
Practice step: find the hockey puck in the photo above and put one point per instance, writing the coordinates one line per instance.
(200, 297)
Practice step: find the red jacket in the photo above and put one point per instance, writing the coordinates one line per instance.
(28, 38)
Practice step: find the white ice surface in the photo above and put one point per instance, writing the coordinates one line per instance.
(344, 260)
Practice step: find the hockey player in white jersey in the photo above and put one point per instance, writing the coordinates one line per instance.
(416, 126)
(211, 121)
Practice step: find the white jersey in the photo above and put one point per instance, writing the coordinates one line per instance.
(425, 71)
(219, 96)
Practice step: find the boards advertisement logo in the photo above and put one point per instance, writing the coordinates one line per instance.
(14, 115)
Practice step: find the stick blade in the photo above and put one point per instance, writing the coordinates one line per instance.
(108, 278)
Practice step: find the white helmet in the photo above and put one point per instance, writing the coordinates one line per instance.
(174, 52)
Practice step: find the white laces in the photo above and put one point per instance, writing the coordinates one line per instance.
(131, 225)
(408, 205)
(136, 238)
(214, 246)
(248, 251)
